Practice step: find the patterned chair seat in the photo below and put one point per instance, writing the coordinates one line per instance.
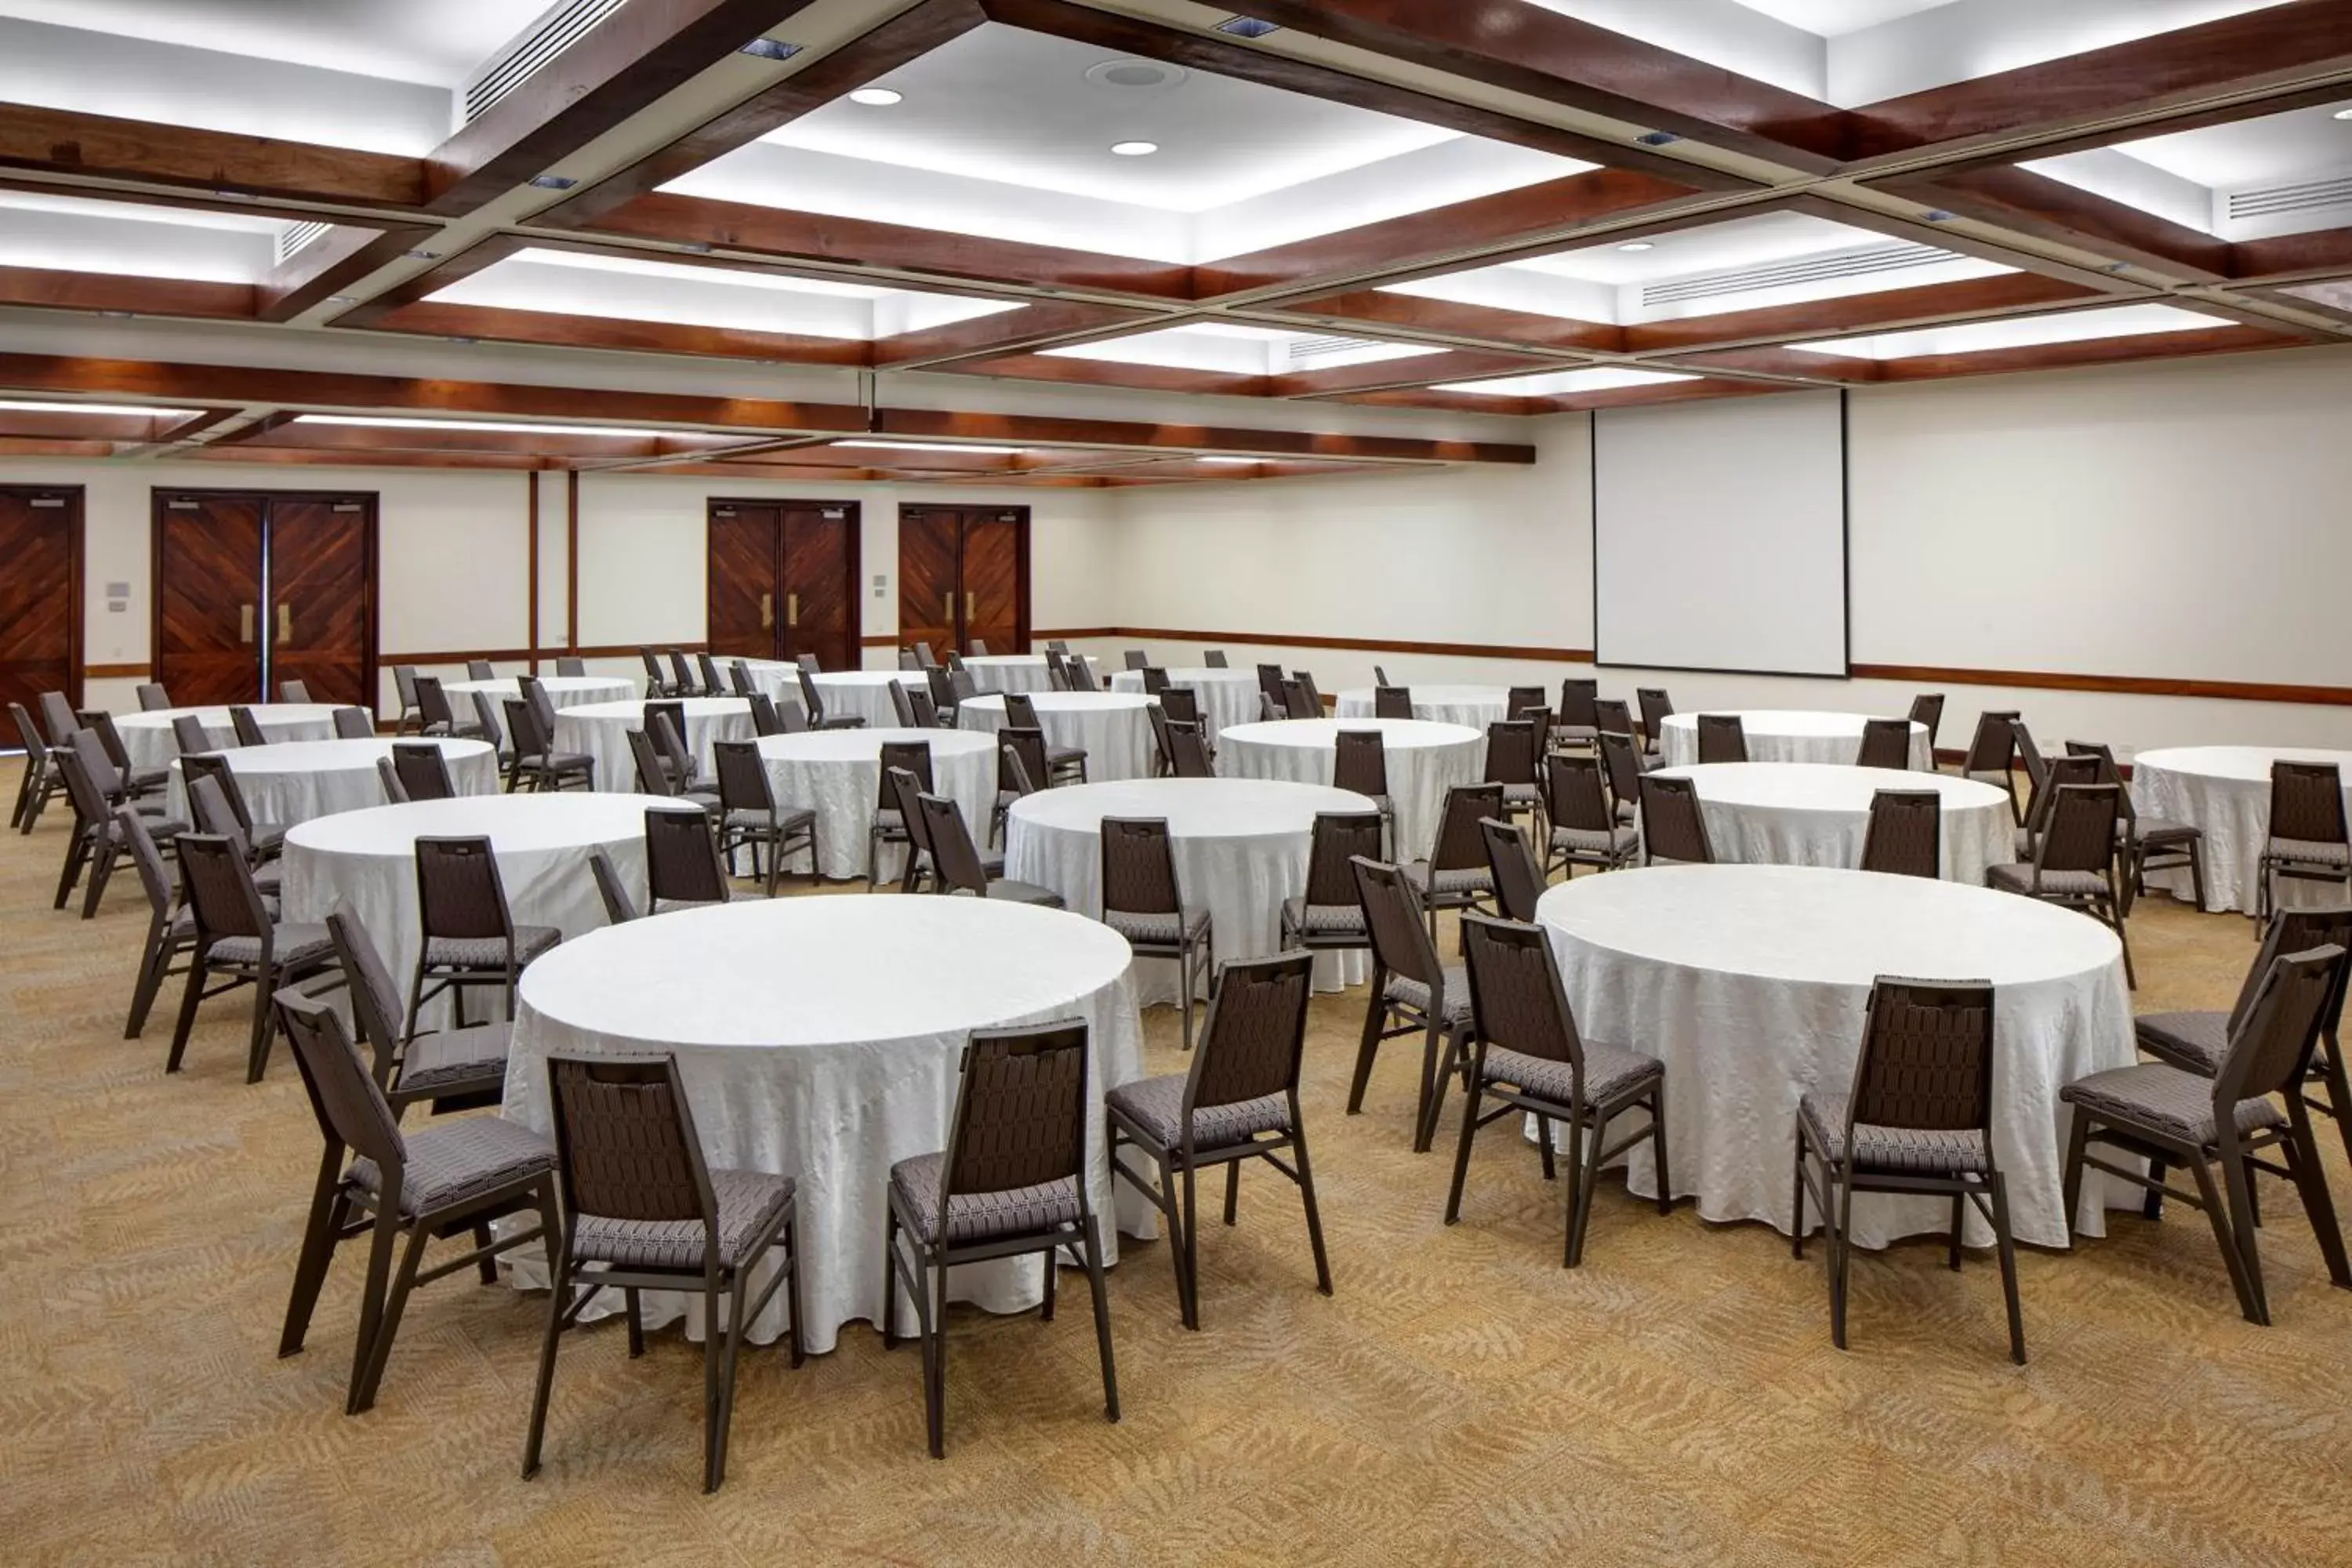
(1521, 794)
(752, 817)
(2194, 1042)
(2163, 1098)
(1415, 995)
(1612, 841)
(1937, 1152)
(1461, 880)
(1609, 1073)
(2310, 851)
(2054, 884)
(1323, 919)
(489, 951)
(1162, 929)
(747, 1202)
(980, 1216)
(458, 1162)
(2164, 830)
(1156, 1107)
(292, 945)
(1013, 892)
(455, 1055)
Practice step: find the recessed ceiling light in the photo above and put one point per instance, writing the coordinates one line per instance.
(343, 299)
(1636, 247)
(770, 50)
(877, 96)
(1247, 28)
(2344, 114)
(422, 255)
(554, 182)
(1135, 149)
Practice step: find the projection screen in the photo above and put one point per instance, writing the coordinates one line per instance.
(1719, 535)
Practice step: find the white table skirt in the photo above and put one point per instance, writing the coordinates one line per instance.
(1114, 728)
(2226, 790)
(1010, 671)
(1424, 760)
(147, 737)
(602, 730)
(859, 693)
(1227, 697)
(837, 774)
(1475, 706)
(368, 859)
(294, 781)
(1241, 849)
(824, 1038)
(564, 690)
(1818, 814)
(1750, 983)
(1787, 736)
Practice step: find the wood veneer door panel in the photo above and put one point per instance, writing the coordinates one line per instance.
(743, 605)
(992, 580)
(820, 585)
(321, 590)
(40, 595)
(929, 541)
(208, 608)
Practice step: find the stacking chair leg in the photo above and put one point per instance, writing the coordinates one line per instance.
(2339, 1092)
(2231, 1254)
(1462, 1155)
(152, 974)
(384, 1236)
(1101, 1288)
(558, 1313)
(1314, 1215)
(329, 1211)
(2007, 1245)
(2303, 1160)
(1375, 1015)
(367, 1372)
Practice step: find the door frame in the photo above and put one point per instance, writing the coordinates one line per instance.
(372, 546)
(76, 505)
(853, 562)
(1021, 518)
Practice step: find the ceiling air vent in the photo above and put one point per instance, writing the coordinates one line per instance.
(1247, 28)
(1308, 352)
(555, 31)
(294, 237)
(2304, 196)
(1791, 274)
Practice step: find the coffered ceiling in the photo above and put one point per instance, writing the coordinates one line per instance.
(1006, 240)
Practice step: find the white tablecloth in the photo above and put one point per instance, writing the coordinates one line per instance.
(859, 693)
(824, 1038)
(2226, 790)
(602, 730)
(1113, 727)
(837, 774)
(293, 781)
(1476, 706)
(1228, 697)
(368, 859)
(1240, 844)
(147, 737)
(1010, 671)
(564, 690)
(1750, 983)
(1817, 813)
(1787, 736)
(1423, 760)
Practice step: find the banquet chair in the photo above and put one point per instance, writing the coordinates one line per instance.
(900, 707)
(1328, 917)
(1314, 697)
(1656, 709)
(908, 790)
(1413, 992)
(1155, 679)
(642, 1211)
(354, 724)
(1143, 901)
(2054, 774)
(1056, 645)
(293, 691)
(1518, 879)
(395, 791)
(791, 718)
(2306, 841)
(1579, 721)
(1673, 827)
(1138, 658)
(924, 656)
(1011, 1183)
(906, 659)
(1057, 672)
(666, 727)
(461, 1069)
(570, 668)
(1380, 677)
(1021, 767)
(57, 716)
(1518, 699)
(658, 682)
(434, 716)
(1360, 765)
(1529, 1056)
(682, 868)
(1992, 755)
(2074, 861)
(249, 728)
(1163, 764)
(1906, 836)
(1722, 738)
(962, 687)
(1188, 751)
(1584, 829)
(96, 791)
(237, 944)
(1392, 703)
(171, 929)
(811, 663)
(752, 817)
(209, 807)
(890, 824)
(1269, 683)
(1512, 746)
(423, 770)
(2155, 1111)
(620, 909)
(682, 683)
(942, 693)
(137, 782)
(1182, 705)
(1214, 658)
(1927, 710)
(713, 683)
(1916, 1119)
(403, 686)
(265, 840)
(190, 736)
(765, 720)
(533, 691)
(2037, 768)
(152, 698)
(1296, 703)
(494, 730)
(956, 864)
(1237, 1101)
(1063, 764)
(41, 781)
(1267, 711)
(536, 760)
(480, 670)
(2146, 843)
(470, 939)
(925, 712)
(1455, 875)
(438, 1181)
(2199, 1042)
(1886, 743)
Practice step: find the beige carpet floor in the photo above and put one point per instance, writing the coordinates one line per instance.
(1460, 1399)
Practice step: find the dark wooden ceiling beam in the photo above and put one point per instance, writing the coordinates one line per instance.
(57, 288)
(930, 424)
(562, 329)
(1455, 319)
(1031, 326)
(1973, 299)
(328, 265)
(2026, 203)
(104, 147)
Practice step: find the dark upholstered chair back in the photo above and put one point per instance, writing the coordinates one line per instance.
(219, 886)
(1339, 838)
(1574, 794)
(1519, 881)
(1392, 913)
(625, 1146)
(1722, 738)
(458, 893)
(1392, 703)
(915, 756)
(1927, 1057)
(1460, 845)
(1906, 836)
(1138, 867)
(1515, 995)
(2269, 1049)
(1256, 1032)
(1673, 826)
(681, 860)
(351, 1108)
(1359, 762)
(1886, 743)
(1021, 1111)
(2307, 802)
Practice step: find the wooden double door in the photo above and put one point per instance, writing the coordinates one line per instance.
(784, 581)
(963, 575)
(256, 588)
(40, 597)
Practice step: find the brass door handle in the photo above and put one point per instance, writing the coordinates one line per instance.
(792, 609)
(245, 624)
(767, 610)
(285, 623)
(971, 606)
(947, 608)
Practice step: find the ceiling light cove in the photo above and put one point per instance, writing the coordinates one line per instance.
(877, 96)
(931, 447)
(388, 422)
(117, 410)
(2034, 332)
(1563, 383)
(1233, 349)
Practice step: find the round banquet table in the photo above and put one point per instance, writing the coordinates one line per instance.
(1114, 728)
(1009, 672)
(1750, 982)
(1228, 697)
(602, 730)
(2226, 790)
(147, 737)
(294, 781)
(541, 841)
(1787, 736)
(564, 690)
(1817, 813)
(860, 693)
(1240, 846)
(1476, 706)
(1423, 759)
(823, 1039)
(837, 774)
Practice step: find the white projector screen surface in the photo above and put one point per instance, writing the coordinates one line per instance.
(1719, 535)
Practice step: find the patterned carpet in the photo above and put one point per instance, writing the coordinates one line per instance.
(1460, 1399)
